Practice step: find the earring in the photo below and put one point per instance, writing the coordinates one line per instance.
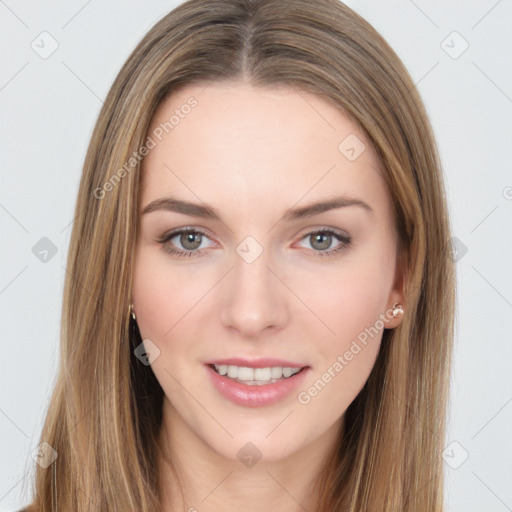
(130, 311)
(397, 309)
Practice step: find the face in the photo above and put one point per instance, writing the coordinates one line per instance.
(260, 275)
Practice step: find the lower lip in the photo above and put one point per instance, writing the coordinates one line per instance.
(255, 396)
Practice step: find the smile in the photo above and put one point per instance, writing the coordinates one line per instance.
(255, 387)
(255, 376)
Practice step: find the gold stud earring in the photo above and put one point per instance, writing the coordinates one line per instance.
(397, 309)
(130, 310)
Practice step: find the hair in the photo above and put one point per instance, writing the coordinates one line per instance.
(105, 411)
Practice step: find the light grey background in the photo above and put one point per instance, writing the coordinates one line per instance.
(49, 106)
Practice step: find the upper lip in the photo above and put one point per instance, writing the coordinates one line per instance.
(264, 362)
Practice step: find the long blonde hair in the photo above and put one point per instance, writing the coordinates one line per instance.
(105, 410)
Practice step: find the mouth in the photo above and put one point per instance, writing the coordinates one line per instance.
(260, 376)
(256, 385)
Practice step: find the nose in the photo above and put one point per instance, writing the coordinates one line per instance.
(255, 299)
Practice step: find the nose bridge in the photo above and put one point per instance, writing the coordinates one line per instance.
(254, 298)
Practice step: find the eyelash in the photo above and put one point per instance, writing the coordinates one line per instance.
(346, 243)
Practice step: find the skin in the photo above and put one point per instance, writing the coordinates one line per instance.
(252, 153)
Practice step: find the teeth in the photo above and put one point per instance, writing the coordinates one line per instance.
(242, 373)
(276, 372)
(261, 374)
(256, 376)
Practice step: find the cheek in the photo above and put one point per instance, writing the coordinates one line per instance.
(159, 294)
(351, 304)
(352, 297)
(343, 360)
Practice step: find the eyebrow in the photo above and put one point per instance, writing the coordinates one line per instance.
(207, 212)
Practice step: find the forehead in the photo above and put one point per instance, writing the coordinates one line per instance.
(251, 144)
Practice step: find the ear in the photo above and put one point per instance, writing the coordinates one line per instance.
(396, 295)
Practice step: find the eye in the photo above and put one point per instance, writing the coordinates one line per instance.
(189, 238)
(191, 241)
(323, 239)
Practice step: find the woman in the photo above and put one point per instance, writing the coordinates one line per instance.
(258, 308)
